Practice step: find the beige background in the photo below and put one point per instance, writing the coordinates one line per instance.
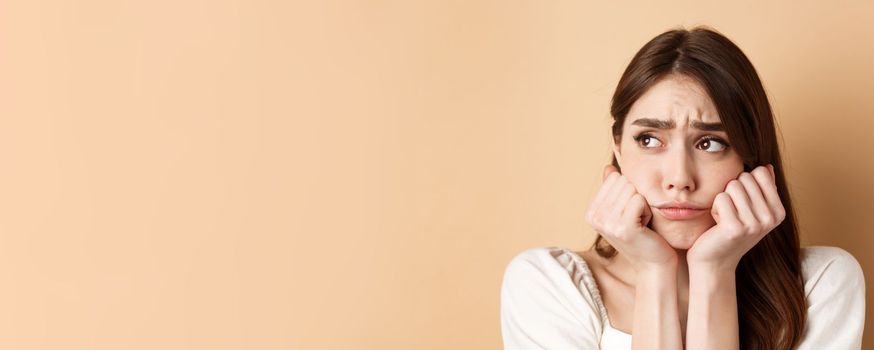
(354, 174)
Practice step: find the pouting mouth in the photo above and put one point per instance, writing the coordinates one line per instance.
(681, 205)
(674, 213)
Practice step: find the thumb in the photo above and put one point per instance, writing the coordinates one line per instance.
(607, 170)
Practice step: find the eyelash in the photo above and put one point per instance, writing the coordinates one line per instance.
(645, 135)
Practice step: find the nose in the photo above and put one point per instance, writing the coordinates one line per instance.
(678, 172)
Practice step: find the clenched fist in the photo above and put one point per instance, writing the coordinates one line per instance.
(621, 215)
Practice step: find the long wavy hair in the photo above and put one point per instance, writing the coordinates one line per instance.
(772, 310)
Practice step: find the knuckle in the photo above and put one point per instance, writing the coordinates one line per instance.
(733, 227)
(758, 178)
(621, 180)
(596, 220)
(734, 235)
(755, 229)
(623, 237)
(760, 170)
(618, 234)
(622, 227)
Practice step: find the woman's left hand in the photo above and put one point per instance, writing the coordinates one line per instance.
(748, 210)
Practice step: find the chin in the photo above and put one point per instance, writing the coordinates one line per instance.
(681, 235)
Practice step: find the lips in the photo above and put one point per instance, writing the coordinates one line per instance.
(680, 213)
(681, 210)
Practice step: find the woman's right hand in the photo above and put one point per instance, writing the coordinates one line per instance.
(621, 215)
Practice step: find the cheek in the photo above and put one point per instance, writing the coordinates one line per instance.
(639, 172)
(643, 180)
(719, 179)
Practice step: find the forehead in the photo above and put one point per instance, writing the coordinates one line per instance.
(674, 98)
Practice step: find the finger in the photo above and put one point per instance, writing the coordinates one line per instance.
(605, 188)
(610, 175)
(633, 209)
(622, 199)
(610, 202)
(723, 209)
(760, 207)
(602, 204)
(771, 168)
(647, 212)
(741, 202)
(769, 190)
(608, 170)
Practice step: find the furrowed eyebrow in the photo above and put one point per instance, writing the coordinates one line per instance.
(707, 126)
(655, 123)
(669, 124)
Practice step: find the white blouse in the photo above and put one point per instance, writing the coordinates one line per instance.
(549, 300)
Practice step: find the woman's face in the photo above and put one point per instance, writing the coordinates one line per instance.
(675, 153)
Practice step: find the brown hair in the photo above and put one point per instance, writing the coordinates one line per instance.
(770, 289)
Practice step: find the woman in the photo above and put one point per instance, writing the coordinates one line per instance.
(698, 245)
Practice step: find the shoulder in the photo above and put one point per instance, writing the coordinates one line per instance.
(555, 267)
(546, 257)
(541, 304)
(834, 289)
(550, 276)
(545, 269)
(539, 256)
(826, 255)
(824, 266)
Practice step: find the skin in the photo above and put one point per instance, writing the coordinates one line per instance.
(679, 272)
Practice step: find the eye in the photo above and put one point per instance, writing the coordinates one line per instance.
(712, 144)
(647, 141)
